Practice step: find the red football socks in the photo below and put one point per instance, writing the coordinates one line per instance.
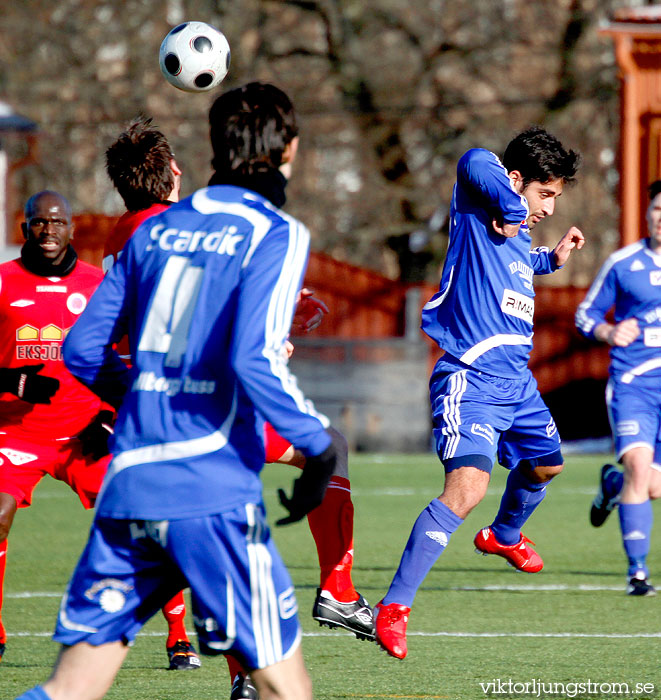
(174, 612)
(331, 525)
(234, 667)
(3, 560)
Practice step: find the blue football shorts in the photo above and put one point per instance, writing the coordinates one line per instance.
(634, 412)
(479, 418)
(242, 597)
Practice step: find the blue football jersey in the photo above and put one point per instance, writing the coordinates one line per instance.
(629, 281)
(483, 312)
(206, 293)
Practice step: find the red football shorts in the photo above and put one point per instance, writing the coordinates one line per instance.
(274, 444)
(24, 463)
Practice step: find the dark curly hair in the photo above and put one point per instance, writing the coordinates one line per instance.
(540, 157)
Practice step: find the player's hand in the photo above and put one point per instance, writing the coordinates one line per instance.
(310, 312)
(507, 230)
(94, 438)
(310, 488)
(623, 333)
(27, 384)
(573, 239)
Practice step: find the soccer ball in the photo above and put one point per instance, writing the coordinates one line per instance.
(194, 57)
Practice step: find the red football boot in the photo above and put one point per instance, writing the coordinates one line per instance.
(519, 555)
(390, 622)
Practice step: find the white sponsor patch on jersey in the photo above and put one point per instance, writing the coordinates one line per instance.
(636, 265)
(627, 427)
(149, 381)
(16, 457)
(652, 337)
(485, 431)
(52, 288)
(519, 305)
(438, 536)
(22, 302)
(655, 278)
(223, 242)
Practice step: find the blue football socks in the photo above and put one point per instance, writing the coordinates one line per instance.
(520, 499)
(636, 525)
(37, 693)
(429, 537)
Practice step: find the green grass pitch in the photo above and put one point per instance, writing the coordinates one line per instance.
(475, 620)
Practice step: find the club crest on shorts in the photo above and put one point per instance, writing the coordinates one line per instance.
(110, 594)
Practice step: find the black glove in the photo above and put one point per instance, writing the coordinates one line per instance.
(94, 438)
(26, 383)
(310, 487)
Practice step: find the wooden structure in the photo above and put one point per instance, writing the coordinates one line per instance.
(636, 32)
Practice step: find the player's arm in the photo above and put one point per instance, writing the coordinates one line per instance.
(267, 296)
(482, 172)
(590, 316)
(265, 308)
(89, 352)
(620, 334)
(542, 260)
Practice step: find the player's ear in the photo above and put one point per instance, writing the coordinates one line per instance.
(517, 180)
(174, 166)
(24, 228)
(291, 149)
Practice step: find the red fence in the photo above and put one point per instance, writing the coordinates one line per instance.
(560, 354)
(363, 303)
(367, 305)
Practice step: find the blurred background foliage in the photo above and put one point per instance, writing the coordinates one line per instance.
(389, 94)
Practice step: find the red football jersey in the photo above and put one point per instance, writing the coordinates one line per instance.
(35, 315)
(124, 229)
